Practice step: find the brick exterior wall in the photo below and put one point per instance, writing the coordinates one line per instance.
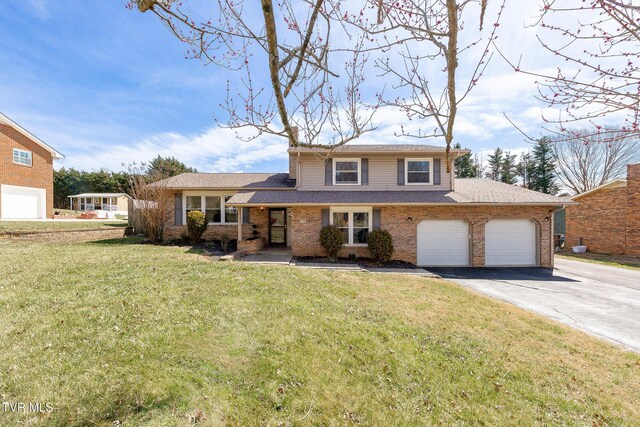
(216, 232)
(40, 175)
(608, 220)
(306, 223)
(600, 220)
(633, 210)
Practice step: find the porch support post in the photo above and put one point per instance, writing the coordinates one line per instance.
(240, 221)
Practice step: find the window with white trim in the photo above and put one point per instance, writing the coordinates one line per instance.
(346, 171)
(354, 223)
(213, 206)
(22, 157)
(418, 171)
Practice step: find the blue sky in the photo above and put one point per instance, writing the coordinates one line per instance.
(105, 86)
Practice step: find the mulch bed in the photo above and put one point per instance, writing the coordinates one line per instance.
(362, 262)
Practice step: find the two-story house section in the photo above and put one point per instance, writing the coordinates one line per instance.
(26, 173)
(434, 218)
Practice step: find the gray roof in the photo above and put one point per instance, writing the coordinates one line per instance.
(187, 181)
(378, 148)
(468, 191)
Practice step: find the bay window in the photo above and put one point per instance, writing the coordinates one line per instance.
(346, 171)
(418, 171)
(212, 206)
(354, 223)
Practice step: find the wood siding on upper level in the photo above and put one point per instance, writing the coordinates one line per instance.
(383, 174)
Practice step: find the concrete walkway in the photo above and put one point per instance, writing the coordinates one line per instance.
(598, 299)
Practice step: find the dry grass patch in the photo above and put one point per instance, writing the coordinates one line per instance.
(152, 336)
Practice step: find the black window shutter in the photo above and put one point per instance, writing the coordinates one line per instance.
(328, 172)
(246, 216)
(325, 217)
(364, 163)
(400, 171)
(436, 171)
(178, 207)
(376, 219)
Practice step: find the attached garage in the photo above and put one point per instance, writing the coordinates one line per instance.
(22, 202)
(510, 242)
(443, 243)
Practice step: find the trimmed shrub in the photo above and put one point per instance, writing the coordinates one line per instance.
(196, 226)
(331, 241)
(380, 246)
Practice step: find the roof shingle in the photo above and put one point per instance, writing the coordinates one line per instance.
(187, 181)
(468, 191)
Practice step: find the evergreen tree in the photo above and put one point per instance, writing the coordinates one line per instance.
(509, 168)
(526, 169)
(495, 165)
(167, 166)
(543, 178)
(465, 166)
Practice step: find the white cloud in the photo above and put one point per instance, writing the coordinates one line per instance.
(215, 150)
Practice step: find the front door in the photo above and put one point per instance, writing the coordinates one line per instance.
(277, 227)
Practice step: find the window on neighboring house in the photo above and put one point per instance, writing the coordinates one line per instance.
(354, 224)
(418, 171)
(346, 171)
(22, 157)
(214, 208)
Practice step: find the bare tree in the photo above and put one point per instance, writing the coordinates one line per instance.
(291, 43)
(584, 164)
(421, 36)
(151, 206)
(600, 45)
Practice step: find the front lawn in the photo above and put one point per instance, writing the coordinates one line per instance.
(114, 333)
(53, 225)
(623, 261)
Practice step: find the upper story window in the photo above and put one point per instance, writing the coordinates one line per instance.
(22, 157)
(213, 206)
(346, 171)
(418, 171)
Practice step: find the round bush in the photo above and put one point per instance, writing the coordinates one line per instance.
(331, 241)
(196, 225)
(380, 245)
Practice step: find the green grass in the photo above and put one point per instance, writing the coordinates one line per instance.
(150, 336)
(623, 261)
(13, 226)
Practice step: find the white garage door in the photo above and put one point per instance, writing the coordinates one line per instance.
(443, 243)
(22, 202)
(510, 242)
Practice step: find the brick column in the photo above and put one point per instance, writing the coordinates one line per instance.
(477, 242)
(633, 210)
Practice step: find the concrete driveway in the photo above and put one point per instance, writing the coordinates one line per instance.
(598, 299)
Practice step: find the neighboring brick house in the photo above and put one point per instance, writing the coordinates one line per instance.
(434, 218)
(607, 218)
(26, 173)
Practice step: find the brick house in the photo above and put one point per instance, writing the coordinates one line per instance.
(434, 218)
(607, 220)
(26, 173)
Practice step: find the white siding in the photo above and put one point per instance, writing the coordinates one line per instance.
(383, 175)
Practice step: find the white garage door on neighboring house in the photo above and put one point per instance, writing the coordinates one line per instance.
(510, 242)
(443, 243)
(22, 202)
